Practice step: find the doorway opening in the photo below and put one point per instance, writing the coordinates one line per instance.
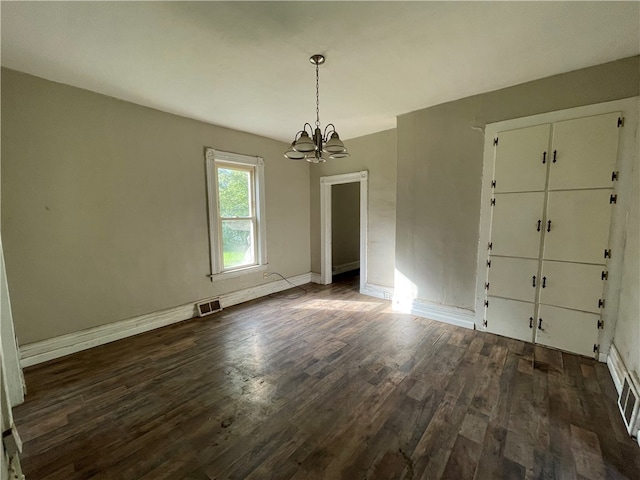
(345, 237)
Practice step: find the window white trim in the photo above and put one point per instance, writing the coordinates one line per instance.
(212, 157)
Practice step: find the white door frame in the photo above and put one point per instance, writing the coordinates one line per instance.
(325, 223)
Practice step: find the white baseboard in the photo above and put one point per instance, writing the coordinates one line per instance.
(442, 313)
(378, 291)
(345, 267)
(616, 367)
(316, 278)
(240, 296)
(38, 352)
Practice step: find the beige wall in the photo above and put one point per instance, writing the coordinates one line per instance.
(345, 223)
(377, 154)
(440, 167)
(627, 334)
(104, 207)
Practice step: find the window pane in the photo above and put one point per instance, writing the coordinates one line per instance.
(234, 187)
(237, 243)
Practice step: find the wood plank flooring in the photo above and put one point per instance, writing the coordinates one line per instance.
(324, 385)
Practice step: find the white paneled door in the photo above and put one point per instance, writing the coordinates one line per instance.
(510, 318)
(572, 285)
(569, 330)
(551, 206)
(521, 160)
(517, 224)
(584, 152)
(514, 278)
(577, 225)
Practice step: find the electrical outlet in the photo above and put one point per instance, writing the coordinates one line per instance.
(387, 295)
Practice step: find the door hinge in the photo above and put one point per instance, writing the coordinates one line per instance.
(495, 141)
(601, 324)
(620, 122)
(613, 198)
(596, 348)
(490, 246)
(486, 286)
(615, 176)
(493, 184)
(486, 303)
(600, 303)
(489, 263)
(484, 323)
(605, 275)
(607, 253)
(493, 201)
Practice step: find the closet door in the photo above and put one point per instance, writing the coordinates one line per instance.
(568, 330)
(517, 224)
(510, 318)
(572, 285)
(584, 152)
(521, 159)
(577, 225)
(513, 278)
(552, 200)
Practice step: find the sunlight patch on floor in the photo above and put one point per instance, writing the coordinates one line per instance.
(343, 305)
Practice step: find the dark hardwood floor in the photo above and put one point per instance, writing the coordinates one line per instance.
(324, 385)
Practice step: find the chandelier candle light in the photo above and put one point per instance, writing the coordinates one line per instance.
(313, 146)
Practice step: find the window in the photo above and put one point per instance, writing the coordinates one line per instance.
(235, 188)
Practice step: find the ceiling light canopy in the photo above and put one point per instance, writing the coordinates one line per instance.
(312, 145)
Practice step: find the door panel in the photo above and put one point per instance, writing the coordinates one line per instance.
(587, 149)
(572, 285)
(579, 229)
(514, 227)
(567, 330)
(513, 278)
(510, 318)
(519, 157)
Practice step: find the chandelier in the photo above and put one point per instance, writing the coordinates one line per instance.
(312, 145)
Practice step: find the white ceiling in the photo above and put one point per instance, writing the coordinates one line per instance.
(244, 65)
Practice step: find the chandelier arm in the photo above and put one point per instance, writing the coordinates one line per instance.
(297, 135)
(327, 132)
(304, 128)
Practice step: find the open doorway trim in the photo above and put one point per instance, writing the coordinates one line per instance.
(325, 223)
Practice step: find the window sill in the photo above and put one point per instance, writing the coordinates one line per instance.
(238, 273)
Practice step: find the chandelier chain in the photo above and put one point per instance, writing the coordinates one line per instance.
(317, 96)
